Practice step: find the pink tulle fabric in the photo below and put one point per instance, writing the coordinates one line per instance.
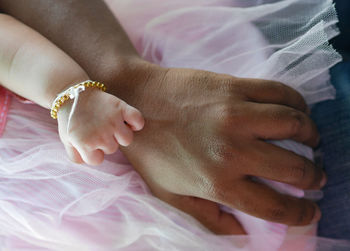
(49, 203)
(5, 99)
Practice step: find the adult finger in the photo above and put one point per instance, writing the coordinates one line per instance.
(275, 163)
(206, 212)
(271, 121)
(266, 91)
(261, 201)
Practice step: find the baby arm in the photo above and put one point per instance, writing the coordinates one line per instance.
(36, 69)
(33, 67)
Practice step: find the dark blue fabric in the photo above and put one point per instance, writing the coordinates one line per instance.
(333, 121)
(342, 42)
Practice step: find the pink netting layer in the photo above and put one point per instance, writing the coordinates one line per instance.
(49, 203)
(5, 99)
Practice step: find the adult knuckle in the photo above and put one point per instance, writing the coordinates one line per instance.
(224, 117)
(235, 85)
(229, 116)
(296, 122)
(221, 194)
(242, 86)
(224, 111)
(214, 189)
(222, 154)
(200, 78)
(301, 215)
(299, 169)
(278, 212)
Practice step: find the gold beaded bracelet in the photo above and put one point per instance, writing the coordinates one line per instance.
(71, 93)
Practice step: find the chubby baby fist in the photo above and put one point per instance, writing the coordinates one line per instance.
(100, 123)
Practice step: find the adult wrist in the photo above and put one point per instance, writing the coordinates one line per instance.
(127, 77)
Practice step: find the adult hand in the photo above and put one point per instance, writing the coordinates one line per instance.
(204, 138)
(204, 132)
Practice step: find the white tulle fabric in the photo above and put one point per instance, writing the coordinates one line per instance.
(49, 203)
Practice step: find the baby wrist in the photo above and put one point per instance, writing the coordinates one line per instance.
(73, 93)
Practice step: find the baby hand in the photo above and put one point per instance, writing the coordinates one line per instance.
(97, 126)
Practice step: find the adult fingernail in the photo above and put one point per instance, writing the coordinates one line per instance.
(323, 180)
(317, 215)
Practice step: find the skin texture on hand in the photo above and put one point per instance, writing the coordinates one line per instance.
(204, 139)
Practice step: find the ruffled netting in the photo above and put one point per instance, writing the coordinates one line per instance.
(49, 203)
